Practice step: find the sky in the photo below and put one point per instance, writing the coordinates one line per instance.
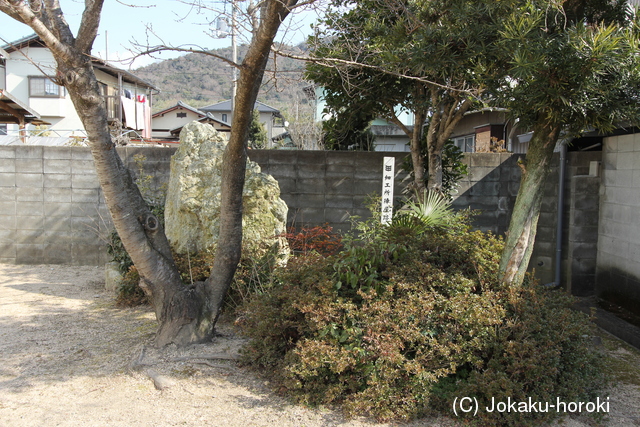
(173, 21)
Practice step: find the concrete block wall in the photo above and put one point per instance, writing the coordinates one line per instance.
(52, 209)
(152, 162)
(492, 187)
(544, 252)
(618, 266)
(327, 186)
(582, 246)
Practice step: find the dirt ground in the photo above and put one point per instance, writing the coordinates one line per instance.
(69, 357)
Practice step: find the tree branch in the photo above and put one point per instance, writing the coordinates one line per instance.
(89, 25)
(393, 118)
(21, 12)
(199, 50)
(335, 62)
(53, 18)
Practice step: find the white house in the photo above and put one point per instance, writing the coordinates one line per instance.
(27, 70)
(168, 123)
(270, 117)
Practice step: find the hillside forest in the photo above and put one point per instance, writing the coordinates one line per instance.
(200, 80)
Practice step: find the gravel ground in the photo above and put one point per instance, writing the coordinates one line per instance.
(71, 358)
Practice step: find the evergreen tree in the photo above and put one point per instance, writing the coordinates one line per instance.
(257, 132)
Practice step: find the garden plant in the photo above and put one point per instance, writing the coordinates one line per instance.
(409, 316)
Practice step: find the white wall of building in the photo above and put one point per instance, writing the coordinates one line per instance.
(59, 111)
(34, 61)
(163, 123)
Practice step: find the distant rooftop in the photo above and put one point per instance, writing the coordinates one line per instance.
(226, 106)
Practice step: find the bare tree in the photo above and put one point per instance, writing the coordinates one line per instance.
(186, 314)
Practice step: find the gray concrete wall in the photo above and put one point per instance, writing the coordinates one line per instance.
(582, 246)
(50, 206)
(327, 186)
(52, 209)
(491, 188)
(618, 266)
(576, 207)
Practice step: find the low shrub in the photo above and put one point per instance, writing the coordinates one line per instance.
(321, 239)
(541, 352)
(399, 323)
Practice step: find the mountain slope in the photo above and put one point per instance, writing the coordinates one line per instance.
(200, 80)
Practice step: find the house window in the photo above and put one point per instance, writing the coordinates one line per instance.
(224, 118)
(181, 115)
(3, 129)
(278, 121)
(466, 144)
(44, 87)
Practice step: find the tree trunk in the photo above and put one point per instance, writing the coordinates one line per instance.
(435, 169)
(185, 314)
(416, 152)
(177, 307)
(229, 248)
(448, 113)
(524, 218)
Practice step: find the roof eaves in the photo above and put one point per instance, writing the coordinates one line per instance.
(20, 43)
(179, 104)
(218, 106)
(129, 77)
(267, 108)
(190, 108)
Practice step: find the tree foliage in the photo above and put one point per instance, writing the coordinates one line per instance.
(348, 132)
(569, 67)
(257, 132)
(429, 58)
(558, 67)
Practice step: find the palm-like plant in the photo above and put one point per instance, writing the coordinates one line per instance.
(433, 209)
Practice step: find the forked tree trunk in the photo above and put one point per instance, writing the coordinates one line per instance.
(446, 115)
(179, 309)
(185, 314)
(448, 111)
(526, 211)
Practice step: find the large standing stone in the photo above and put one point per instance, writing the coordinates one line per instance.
(192, 208)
